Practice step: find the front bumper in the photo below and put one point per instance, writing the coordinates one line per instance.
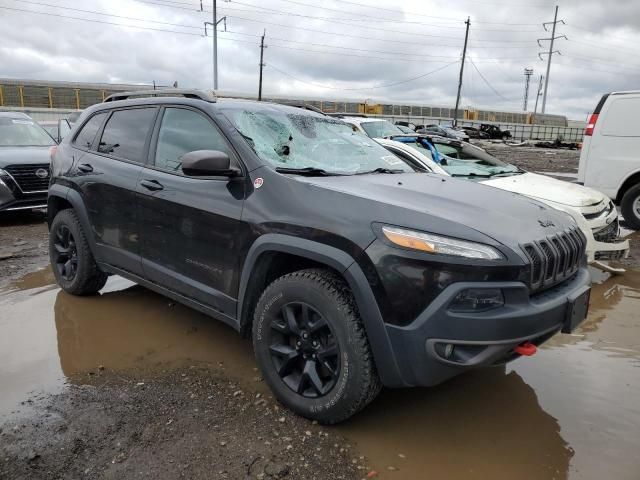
(601, 231)
(11, 198)
(606, 242)
(479, 339)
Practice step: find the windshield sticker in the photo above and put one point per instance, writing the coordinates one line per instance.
(392, 160)
(23, 122)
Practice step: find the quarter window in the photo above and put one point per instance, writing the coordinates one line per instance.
(88, 133)
(184, 131)
(125, 133)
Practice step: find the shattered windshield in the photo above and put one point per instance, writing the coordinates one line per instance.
(380, 129)
(469, 161)
(301, 140)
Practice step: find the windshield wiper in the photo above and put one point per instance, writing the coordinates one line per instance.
(309, 171)
(511, 172)
(470, 175)
(382, 170)
(249, 140)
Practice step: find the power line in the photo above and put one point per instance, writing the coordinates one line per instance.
(93, 12)
(340, 34)
(630, 52)
(487, 82)
(101, 21)
(271, 45)
(624, 39)
(390, 52)
(363, 88)
(590, 69)
(334, 20)
(237, 40)
(367, 19)
(424, 15)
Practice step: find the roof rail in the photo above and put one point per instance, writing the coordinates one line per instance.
(206, 95)
(345, 114)
(306, 106)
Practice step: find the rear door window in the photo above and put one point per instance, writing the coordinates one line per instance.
(184, 131)
(620, 118)
(125, 134)
(85, 138)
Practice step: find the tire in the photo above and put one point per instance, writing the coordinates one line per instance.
(331, 375)
(71, 259)
(630, 207)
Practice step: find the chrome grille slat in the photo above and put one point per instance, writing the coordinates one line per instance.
(26, 178)
(554, 258)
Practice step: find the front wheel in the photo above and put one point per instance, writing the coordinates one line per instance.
(311, 346)
(630, 207)
(71, 259)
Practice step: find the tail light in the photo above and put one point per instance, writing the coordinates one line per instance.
(52, 151)
(591, 124)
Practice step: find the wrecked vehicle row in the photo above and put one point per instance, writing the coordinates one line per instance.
(594, 213)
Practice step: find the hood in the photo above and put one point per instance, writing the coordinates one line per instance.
(548, 189)
(24, 155)
(427, 202)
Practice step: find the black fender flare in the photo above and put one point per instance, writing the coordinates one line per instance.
(343, 263)
(75, 199)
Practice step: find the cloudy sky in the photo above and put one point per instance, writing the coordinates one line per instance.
(404, 51)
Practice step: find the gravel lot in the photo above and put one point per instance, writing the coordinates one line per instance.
(188, 423)
(535, 159)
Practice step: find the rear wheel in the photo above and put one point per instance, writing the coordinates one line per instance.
(71, 259)
(630, 207)
(311, 346)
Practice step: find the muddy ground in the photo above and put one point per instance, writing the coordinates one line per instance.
(23, 244)
(185, 423)
(129, 384)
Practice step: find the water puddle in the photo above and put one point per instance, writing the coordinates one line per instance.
(49, 338)
(571, 411)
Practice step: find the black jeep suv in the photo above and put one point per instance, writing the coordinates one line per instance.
(349, 270)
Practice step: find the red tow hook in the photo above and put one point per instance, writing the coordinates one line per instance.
(527, 349)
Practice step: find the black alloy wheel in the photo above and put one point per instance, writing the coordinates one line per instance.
(65, 253)
(304, 350)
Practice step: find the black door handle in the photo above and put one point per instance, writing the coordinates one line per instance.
(152, 185)
(85, 167)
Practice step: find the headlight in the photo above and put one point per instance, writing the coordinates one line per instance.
(428, 242)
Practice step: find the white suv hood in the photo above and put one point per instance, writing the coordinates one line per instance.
(547, 188)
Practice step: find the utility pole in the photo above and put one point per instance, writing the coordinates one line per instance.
(535, 110)
(262, 47)
(214, 26)
(464, 54)
(550, 52)
(527, 78)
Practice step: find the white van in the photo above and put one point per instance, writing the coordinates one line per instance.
(610, 158)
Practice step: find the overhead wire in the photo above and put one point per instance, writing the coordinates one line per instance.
(374, 87)
(487, 82)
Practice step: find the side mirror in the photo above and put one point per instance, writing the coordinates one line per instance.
(208, 163)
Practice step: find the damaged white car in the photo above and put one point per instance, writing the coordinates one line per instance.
(595, 214)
